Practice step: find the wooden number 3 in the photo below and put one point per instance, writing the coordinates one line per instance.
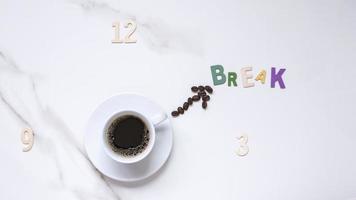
(243, 149)
(129, 24)
(27, 139)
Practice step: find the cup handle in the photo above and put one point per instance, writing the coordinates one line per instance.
(158, 119)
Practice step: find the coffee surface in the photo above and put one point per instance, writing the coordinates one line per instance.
(128, 135)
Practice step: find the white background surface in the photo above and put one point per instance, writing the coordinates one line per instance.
(57, 63)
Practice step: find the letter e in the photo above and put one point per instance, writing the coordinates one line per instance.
(245, 77)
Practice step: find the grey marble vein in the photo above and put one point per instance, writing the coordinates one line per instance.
(13, 110)
(158, 35)
(52, 137)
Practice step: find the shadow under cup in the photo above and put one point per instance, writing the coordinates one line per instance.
(120, 154)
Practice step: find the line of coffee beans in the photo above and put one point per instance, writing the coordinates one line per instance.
(200, 94)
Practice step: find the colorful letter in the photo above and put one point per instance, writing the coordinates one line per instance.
(245, 77)
(261, 76)
(231, 79)
(218, 71)
(277, 77)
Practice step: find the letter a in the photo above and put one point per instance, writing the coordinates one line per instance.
(261, 76)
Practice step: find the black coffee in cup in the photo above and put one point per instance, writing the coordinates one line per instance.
(128, 135)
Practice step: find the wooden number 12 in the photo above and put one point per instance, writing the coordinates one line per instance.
(128, 38)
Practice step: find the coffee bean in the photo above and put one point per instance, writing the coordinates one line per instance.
(206, 98)
(195, 89)
(202, 93)
(204, 104)
(175, 113)
(196, 98)
(185, 105)
(180, 110)
(209, 89)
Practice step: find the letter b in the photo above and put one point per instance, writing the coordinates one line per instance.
(217, 72)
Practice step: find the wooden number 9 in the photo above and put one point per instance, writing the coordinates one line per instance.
(27, 138)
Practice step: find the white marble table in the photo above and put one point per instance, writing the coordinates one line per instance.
(57, 63)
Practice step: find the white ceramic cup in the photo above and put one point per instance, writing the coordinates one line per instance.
(151, 125)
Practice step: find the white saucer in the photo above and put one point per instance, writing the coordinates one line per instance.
(127, 172)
